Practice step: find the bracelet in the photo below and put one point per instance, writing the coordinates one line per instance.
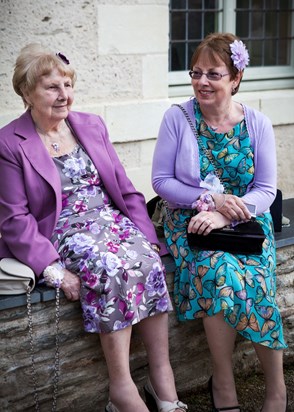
(222, 205)
(53, 276)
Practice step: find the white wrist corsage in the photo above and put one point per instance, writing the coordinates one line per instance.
(53, 275)
(206, 201)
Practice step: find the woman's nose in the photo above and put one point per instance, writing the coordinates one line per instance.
(203, 79)
(62, 93)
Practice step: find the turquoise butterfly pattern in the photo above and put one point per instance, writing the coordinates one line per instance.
(207, 282)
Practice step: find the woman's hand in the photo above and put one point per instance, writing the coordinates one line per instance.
(71, 285)
(204, 222)
(231, 207)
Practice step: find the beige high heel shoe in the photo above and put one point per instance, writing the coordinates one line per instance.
(154, 404)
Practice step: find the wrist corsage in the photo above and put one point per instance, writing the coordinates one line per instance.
(53, 275)
(206, 201)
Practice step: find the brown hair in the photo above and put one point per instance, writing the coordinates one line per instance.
(33, 62)
(216, 46)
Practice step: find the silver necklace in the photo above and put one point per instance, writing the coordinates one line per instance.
(214, 128)
(56, 147)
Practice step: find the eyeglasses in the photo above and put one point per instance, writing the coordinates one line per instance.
(214, 76)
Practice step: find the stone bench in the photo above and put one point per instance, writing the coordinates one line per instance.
(83, 375)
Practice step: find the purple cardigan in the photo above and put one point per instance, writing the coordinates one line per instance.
(176, 171)
(30, 190)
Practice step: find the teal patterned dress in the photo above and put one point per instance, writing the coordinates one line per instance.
(207, 282)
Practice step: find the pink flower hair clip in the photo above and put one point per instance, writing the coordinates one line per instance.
(240, 55)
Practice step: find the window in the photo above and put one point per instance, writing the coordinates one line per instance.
(265, 26)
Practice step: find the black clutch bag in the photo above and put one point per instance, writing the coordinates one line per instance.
(245, 238)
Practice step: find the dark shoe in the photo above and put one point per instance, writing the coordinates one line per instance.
(214, 409)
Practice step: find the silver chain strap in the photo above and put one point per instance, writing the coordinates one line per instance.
(201, 144)
(32, 350)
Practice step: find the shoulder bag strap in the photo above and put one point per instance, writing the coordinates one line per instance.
(200, 143)
(32, 350)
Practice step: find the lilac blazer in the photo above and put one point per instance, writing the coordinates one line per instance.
(176, 170)
(30, 190)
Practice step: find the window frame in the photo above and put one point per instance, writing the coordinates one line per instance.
(269, 78)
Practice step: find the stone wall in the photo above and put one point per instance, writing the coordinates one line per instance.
(83, 374)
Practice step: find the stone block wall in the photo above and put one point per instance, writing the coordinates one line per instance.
(83, 375)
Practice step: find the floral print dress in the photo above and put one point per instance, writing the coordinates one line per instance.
(122, 278)
(207, 282)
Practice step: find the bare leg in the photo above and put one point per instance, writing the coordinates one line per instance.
(122, 390)
(275, 390)
(154, 333)
(221, 339)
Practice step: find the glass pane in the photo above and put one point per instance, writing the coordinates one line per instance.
(257, 4)
(270, 52)
(283, 53)
(195, 4)
(210, 4)
(178, 4)
(210, 22)
(191, 48)
(178, 24)
(257, 23)
(271, 23)
(178, 56)
(243, 4)
(242, 24)
(285, 24)
(194, 26)
(272, 4)
(256, 53)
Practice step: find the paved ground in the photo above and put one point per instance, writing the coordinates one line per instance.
(250, 392)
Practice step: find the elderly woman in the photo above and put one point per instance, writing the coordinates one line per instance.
(75, 218)
(214, 181)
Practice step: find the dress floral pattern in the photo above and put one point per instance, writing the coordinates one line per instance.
(207, 282)
(122, 278)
